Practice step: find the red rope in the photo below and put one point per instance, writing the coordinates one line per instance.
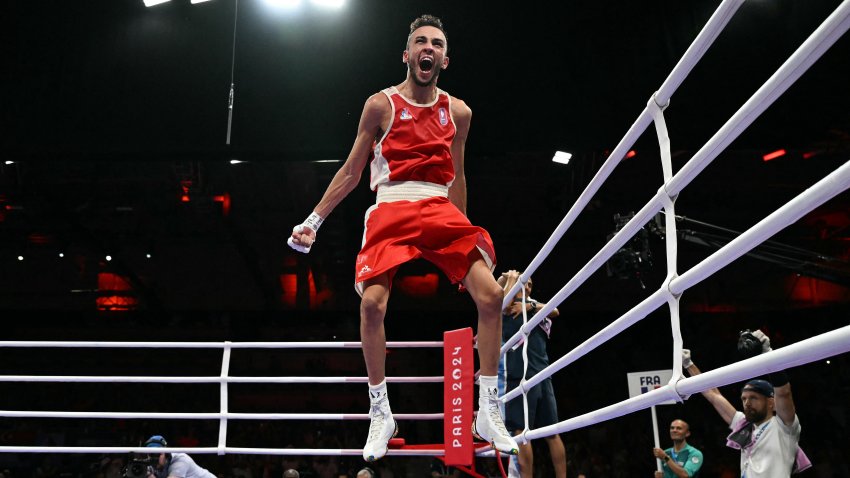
(499, 460)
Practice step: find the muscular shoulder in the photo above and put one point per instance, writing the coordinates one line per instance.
(460, 110)
(376, 111)
(377, 104)
(462, 115)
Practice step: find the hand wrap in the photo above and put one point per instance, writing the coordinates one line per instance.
(313, 221)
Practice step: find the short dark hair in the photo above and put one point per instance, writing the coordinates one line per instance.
(426, 21)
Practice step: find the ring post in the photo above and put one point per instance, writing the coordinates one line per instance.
(458, 370)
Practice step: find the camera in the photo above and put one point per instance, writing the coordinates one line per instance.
(139, 467)
(748, 345)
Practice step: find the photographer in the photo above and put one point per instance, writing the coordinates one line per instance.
(165, 465)
(767, 431)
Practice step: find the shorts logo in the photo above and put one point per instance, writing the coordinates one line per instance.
(405, 114)
(361, 258)
(444, 118)
(364, 270)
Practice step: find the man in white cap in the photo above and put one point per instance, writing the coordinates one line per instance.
(767, 431)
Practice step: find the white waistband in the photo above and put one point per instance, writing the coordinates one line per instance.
(410, 191)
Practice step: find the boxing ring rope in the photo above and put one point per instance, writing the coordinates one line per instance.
(692, 55)
(806, 351)
(224, 379)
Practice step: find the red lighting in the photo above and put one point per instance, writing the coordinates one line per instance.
(116, 293)
(185, 185)
(288, 287)
(631, 154)
(815, 291)
(419, 285)
(773, 155)
(224, 199)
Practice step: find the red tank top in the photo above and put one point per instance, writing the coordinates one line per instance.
(417, 143)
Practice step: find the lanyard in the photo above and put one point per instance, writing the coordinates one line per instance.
(750, 447)
(674, 455)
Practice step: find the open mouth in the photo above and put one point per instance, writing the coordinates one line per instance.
(425, 64)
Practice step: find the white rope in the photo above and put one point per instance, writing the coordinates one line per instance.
(222, 422)
(208, 345)
(694, 53)
(805, 351)
(175, 379)
(225, 450)
(213, 415)
(223, 379)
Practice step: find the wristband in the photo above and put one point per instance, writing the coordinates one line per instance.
(313, 221)
(778, 378)
(666, 457)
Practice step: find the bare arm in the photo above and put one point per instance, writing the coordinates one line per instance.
(507, 280)
(676, 468)
(376, 113)
(462, 115)
(784, 403)
(713, 395)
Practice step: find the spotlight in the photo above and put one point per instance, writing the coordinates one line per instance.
(108, 258)
(329, 3)
(562, 157)
(20, 258)
(150, 3)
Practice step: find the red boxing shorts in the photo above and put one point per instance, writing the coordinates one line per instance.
(432, 228)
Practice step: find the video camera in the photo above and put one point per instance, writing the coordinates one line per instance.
(748, 345)
(138, 467)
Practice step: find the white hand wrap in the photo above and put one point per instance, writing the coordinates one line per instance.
(764, 339)
(686, 358)
(313, 221)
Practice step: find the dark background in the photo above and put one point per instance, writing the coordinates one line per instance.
(111, 112)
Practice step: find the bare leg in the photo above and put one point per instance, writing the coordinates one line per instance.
(526, 459)
(487, 295)
(559, 455)
(373, 308)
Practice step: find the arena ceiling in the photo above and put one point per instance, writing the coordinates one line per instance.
(117, 141)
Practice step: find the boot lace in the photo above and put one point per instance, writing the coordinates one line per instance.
(495, 416)
(379, 418)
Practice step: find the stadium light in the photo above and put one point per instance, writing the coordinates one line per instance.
(150, 3)
(328, 3)
(562, 157)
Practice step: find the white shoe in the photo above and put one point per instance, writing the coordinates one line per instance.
(381, 430)
(488, 425)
